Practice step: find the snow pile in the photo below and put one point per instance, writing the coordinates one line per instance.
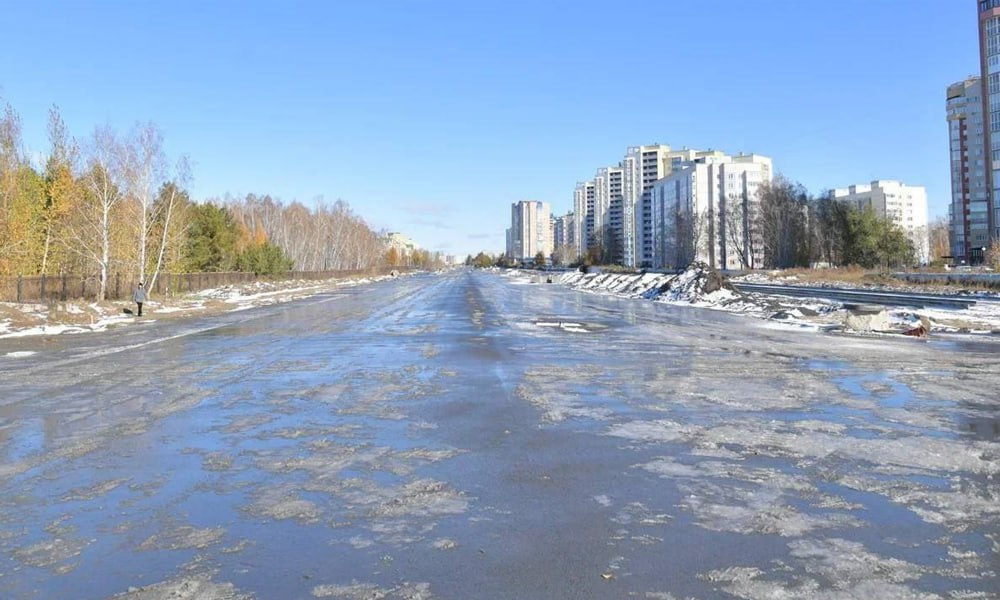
(620, 284)
(699, 284)
(702, 286)
(21, 320)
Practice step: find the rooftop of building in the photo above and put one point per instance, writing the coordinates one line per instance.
(884, 184)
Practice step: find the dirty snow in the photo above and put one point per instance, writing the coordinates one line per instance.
(688, 288)
(72, 317)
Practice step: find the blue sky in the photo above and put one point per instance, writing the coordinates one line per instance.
(432, 117)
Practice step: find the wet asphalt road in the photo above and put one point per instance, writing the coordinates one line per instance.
(471, 436)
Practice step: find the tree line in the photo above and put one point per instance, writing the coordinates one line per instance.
(783, 226)
(114, 203)
(788, 227)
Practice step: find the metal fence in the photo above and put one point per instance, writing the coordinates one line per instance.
(57, 288)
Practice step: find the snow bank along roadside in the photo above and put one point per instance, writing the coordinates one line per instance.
(701, 286)
(18, 320)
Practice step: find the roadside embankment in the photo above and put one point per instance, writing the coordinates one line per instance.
(702, 286)
(81, 316)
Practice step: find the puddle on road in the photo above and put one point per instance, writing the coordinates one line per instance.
(981, 428)
(23, 440)
(569, 324)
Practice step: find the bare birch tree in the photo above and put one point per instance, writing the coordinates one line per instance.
(938, 239)
(782, 223)
(690, 226)
(90, 232)
(739, 232)
(170, 203)
(144, 174)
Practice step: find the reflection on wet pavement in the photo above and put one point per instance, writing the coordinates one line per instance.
(470, 436)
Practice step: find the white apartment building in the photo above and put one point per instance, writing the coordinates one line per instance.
(607, 225)
(530, 230)
(969, 230)
(562, 230)
(701, 210)
(905, 205)
(563, 237)
(642, 166)
(588, 218)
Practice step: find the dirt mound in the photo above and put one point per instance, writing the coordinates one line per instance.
(696, 283)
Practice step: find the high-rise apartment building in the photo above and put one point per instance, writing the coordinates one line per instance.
(530, 230)
(614, 210)
(608, 194)
(563, 235)
(559, 231)
(969, 225)
(989, 63)
(702, 210)
(904, 205)
(589, 220)
(642, 166)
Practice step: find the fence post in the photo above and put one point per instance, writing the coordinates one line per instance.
(20, 288)
(118, 285)
(42, 287)
(62, 296)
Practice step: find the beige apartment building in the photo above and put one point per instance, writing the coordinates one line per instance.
(530, 230)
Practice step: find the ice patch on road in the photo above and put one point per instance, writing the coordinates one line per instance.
(837, 569)
(282, 503)
(754, 510)
(445, 544)
(183, 537)
(94, 491)
(652, 431)
(559, 406)
(199, 587)
(20, 354)
(56, 554)
(370, 591)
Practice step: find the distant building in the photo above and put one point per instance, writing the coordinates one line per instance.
(608, 202)
(563, 235)
(530, 230)
(404, 247)
(642, 166)
(989, 64)
(905, 205)
(589, 218)
(560, 230)
(702, 210)
(969, 224)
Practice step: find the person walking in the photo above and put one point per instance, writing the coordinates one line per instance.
(139, 296)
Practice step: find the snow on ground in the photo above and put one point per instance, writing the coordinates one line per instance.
(701, 286)
(20, 320)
